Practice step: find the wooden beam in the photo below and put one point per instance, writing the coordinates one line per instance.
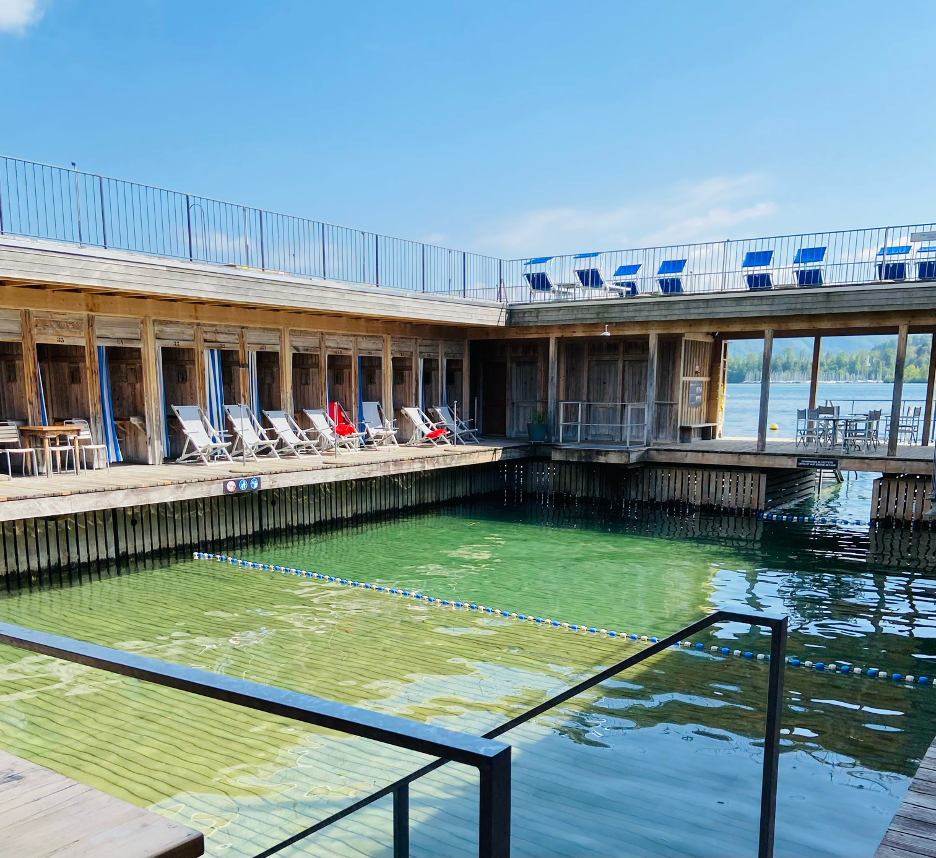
(899, 364)
(152, 406)
(93, 373)
(201, 382)
(386, 386)
(355, 382)
(243, 369)
(764, 392)
(716, 388)
(286, 373)
(814, 371)
(930, 384)
(30, 368)
(651, 385)
(552, 388)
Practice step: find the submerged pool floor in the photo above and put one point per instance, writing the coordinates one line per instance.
(663, 761)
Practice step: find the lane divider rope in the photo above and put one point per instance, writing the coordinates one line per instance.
(791, 661)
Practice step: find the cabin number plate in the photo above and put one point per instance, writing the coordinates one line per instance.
(244, 484)
(824, 464)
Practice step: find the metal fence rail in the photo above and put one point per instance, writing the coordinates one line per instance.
(68, 205)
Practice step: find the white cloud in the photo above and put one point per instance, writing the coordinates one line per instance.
(17, 15)
(685, 213)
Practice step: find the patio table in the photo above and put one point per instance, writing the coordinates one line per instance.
(47, 433)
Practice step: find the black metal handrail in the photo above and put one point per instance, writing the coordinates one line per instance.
(491, 759)
(778, 638)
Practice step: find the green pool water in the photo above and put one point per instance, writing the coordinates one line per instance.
(664, 760)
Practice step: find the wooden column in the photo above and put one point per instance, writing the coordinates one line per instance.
(93, 372)
(417, 375)
(464, 408)
(30, 369)
(651, 385)
(930, 383)
(899, 365)
(764, 392)
(286, 372)
(243, 370)
(201, 383)
(552, 389)
(716, 374)
(152, 407)
(386, 385)
(814, 371)
(323, 372)
(355, 383)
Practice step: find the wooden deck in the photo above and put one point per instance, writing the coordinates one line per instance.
(44, 813)
(129, 485)
(742, 453)
(913, 830)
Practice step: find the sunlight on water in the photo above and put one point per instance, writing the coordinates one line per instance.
(664, 760)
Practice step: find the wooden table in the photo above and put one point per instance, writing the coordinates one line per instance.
(47, 433)
(43, 813)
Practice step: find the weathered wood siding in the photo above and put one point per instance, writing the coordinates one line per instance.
(901, 499)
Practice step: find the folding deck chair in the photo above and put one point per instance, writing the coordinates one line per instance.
(757, 279)
(624, 281)
(250, 437)
(896, 270)
(328, 438)
(200, 435)
(380, 431)
(806, 266)
(290, 436)
(457, 428)
(671, 285)
(424, 430)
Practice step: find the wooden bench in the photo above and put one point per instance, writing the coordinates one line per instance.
(688, 432)
(43, 813)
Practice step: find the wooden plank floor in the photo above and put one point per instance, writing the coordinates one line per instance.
(913, 830)
(128, 485)
(44, 813)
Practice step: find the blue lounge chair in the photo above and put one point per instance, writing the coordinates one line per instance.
(590, 278)
(896, 270)
(539, 280)
(808, 256)
(625, 279)
(758, 259)
(926, 268)
(671, 285)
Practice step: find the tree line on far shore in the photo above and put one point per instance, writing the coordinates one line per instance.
(875, 364)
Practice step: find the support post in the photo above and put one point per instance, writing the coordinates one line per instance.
(552, 389)
(494, 810)
(651, 385)
(243, 367)
(386, 388)
(30, 368)
(930, 383)
(355, 383)
(768, 809)
(764, 392)
(401, 822)
(716, 385)
(201, 382)
(93, 372)
(899, 365)
(814, 371)
(286, 372)
(152, 407)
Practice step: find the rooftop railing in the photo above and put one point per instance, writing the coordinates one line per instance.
(87, 209)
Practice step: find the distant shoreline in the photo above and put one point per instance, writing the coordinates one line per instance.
(822, 381)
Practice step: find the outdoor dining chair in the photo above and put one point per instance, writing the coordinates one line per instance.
(86, 444)
(11, 444)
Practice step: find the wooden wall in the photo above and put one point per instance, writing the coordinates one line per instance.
(180, 387)
(694, 381)
(125, 369)
(269, 390)
(12, 383)
(510, 382)
(65, 381)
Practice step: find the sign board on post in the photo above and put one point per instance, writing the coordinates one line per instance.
(822, 464)
(236, 486)
(694, 399)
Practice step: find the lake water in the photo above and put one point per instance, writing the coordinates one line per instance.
(666, 760)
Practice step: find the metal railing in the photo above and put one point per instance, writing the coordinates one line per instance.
(620, 423)
(492, 759)
(87, 209)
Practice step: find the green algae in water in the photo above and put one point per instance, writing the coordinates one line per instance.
(630, 769)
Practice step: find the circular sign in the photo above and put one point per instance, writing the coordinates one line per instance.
(230, 486)
(242, 485)
(254, 482)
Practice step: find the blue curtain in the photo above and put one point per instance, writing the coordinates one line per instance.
(162, 399)
(42, 408)
(107, 408)
(214, 388)
(254, 400)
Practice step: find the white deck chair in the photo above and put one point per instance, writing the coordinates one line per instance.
(10, 442)
(461, 432)
(328, 438)
(200, 435)
(250, 437)
(380, 431)
(424, 430)
(290, 435)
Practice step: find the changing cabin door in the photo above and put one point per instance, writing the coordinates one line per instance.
(494, 401)
(601, 419)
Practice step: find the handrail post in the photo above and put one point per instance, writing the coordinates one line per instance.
(768, 810)
(376, 260)
(401, 821)
(103, 221)
(78, 205)
(494, 809)
(188, 224)
(262, 248)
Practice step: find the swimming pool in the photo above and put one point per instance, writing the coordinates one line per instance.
(664, 760)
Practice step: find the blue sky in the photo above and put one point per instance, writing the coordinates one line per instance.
(507, 128)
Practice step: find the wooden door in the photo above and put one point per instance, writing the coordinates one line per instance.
(494, 397)
(602, 387)
(523, 399)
